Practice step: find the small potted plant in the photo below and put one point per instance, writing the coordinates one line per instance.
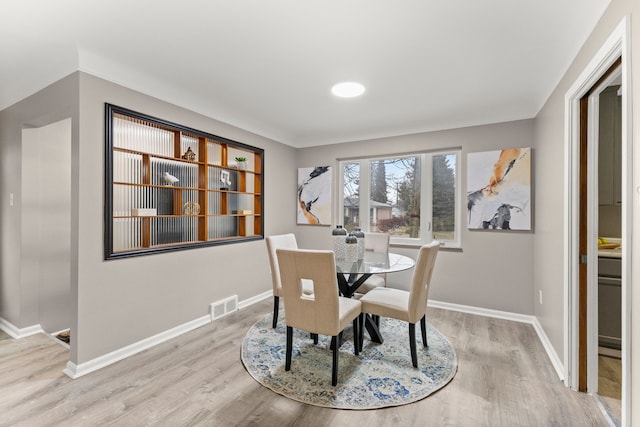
(242, 162)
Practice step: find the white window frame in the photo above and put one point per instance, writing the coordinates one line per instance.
(426, 207)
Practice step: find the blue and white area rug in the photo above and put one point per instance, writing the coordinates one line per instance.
(382, 375)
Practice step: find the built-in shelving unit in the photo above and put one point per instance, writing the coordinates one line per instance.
(169, 187)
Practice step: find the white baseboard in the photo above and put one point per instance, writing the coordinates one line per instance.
(74, 371)
(17, 333)
(254, 299)
(553, 356)
(497, 314)
(516, 317)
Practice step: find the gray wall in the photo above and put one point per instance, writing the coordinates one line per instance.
(493, 270)
(121, 302)
(19, 304)
(46, 221)
(124, 301)
(548, 258)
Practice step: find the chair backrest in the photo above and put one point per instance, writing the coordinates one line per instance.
(422, 273)
(280, 241)
(376, 242)
(318, 313)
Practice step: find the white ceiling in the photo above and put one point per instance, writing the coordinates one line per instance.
(267, 66)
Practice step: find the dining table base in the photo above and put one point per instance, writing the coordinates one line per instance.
(348, 285)
(351, 275)
(371, 323)
(372, 328)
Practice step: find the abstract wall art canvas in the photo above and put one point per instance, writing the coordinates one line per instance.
(314, 195)
(499, 189)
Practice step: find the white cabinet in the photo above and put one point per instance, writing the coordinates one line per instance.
(609, 147)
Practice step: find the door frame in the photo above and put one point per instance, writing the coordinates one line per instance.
(616, 46)
(589, 224)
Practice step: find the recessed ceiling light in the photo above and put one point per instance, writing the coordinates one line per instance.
(347, 89)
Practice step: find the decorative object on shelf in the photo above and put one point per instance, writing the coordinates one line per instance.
(242, 162)
(224, 179)
(170, 179)
(314, 195)
(360, 236)
(144, 212)
(499, 189)
(242, 211)
(351, 252)
(191, 208)
(339, 241)
(189, 155)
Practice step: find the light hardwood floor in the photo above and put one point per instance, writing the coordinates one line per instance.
(610, 377)
(504, 378)
(610, 385)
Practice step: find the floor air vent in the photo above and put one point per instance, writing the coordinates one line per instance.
(223, 307)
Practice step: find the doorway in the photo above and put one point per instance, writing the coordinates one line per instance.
(581, 218)
(46, 224)
(600, 315)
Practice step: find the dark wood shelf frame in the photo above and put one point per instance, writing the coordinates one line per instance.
(215, 226)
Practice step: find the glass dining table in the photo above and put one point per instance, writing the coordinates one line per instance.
(351, 275)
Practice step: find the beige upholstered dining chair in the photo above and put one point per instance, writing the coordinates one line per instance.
(409, 306)
(376, 242)
(284, 241)
(324, 312)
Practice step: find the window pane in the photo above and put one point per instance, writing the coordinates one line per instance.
(394, 205)
(351, 205)
(444, 196)
(395, 202)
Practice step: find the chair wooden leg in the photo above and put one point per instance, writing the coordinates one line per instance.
(412, 344)
(276, 303)
(334, 370)
(287, 365)
(356, 335)
(315, 338)
(423, 326)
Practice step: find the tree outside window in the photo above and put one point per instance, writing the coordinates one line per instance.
(397, 200)
(444, 197)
